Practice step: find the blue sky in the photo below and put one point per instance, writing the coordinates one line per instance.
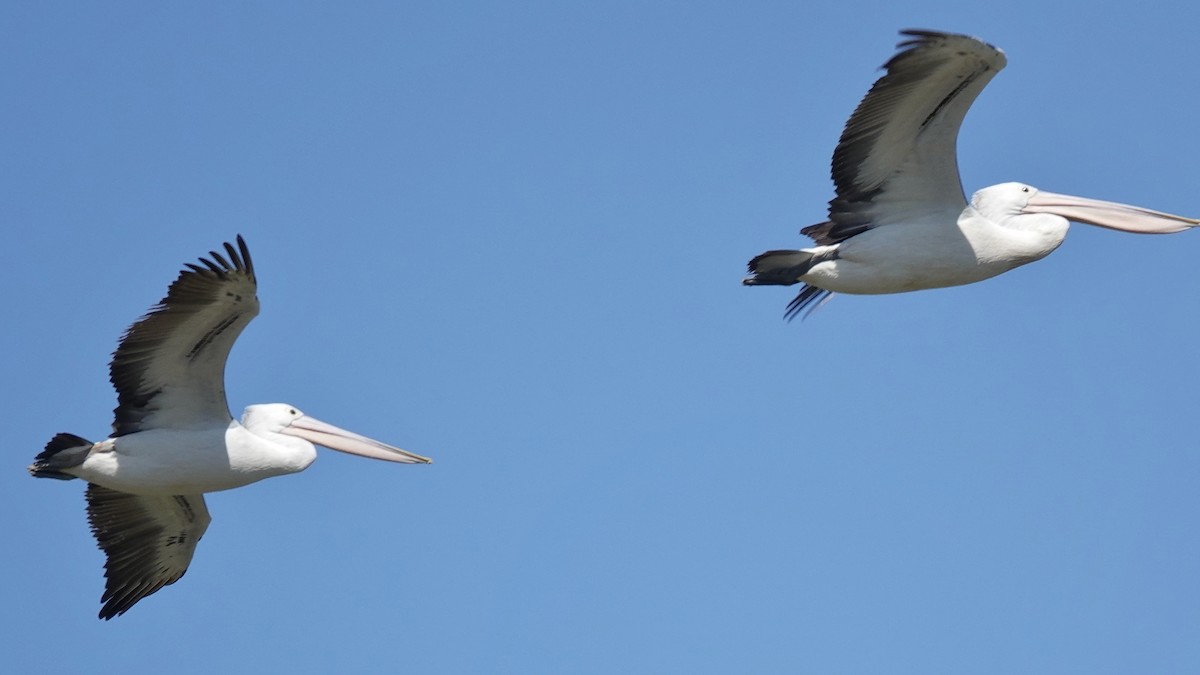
(511, 238)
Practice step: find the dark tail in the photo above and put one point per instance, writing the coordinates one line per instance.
(778, 268)
(784, 268)
(62, 452)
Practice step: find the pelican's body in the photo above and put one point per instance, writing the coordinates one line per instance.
(899, 221)
(188, 461)
(936, 252)
(173, 438)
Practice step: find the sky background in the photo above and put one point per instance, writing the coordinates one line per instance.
(510, 237)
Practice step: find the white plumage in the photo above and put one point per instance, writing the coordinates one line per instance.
(173, 437)
(900, 221)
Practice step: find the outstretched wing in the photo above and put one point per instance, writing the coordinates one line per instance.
(149, 542)
(169, 369)
(898, 153)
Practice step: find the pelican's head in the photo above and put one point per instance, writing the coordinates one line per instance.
(282, 418)
(1031, 236)
(1006, 200)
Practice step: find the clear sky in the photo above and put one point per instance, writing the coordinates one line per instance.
(511, 238)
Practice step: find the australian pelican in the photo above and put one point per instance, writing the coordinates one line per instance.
(900, 221)
(173, 438)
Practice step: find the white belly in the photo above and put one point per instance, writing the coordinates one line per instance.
(911, 257)
(171, 462)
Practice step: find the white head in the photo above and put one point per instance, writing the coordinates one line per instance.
(1004, 205)
(1025, 207)
(281, 418)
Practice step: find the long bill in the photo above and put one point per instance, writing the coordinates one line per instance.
(335, 438)
(1108, 214)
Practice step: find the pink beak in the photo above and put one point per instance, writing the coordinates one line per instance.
(317, 432)
(1108, 214)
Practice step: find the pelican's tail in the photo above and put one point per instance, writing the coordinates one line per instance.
(784, 268)
(779, 268)
(62, 452)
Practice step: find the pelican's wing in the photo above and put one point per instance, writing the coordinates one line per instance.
(898, 153)
(149, 542)
(169, 370)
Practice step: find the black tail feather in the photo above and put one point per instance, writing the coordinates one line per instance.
(785, 268)
(778, 268)
(50, 462)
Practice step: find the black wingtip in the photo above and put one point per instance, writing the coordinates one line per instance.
(214, 268)
(222, 261)
(108, 613)
(919, 36)
(238, 260)
(247, 263)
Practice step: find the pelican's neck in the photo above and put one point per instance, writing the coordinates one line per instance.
(267, 450)
(1012, 240)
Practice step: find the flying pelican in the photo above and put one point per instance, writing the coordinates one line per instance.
(900, 221)
(173, 438)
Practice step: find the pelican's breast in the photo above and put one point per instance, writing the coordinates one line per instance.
(256, 456)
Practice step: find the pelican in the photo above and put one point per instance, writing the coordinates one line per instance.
(173, 438)
(900, 221)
